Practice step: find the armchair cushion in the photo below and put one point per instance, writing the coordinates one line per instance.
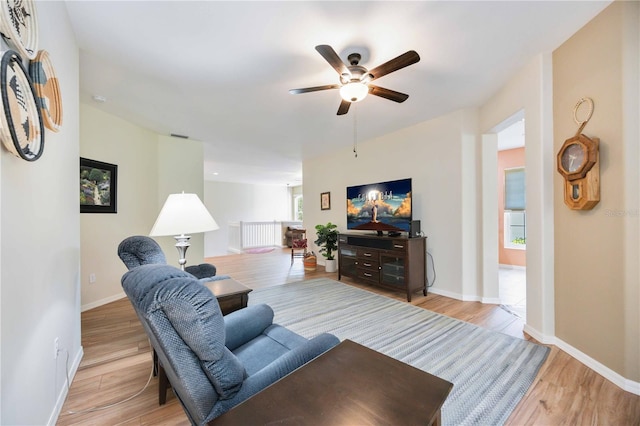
(194, 314)
(140, 250)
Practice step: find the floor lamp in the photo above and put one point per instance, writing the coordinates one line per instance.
(183, 214)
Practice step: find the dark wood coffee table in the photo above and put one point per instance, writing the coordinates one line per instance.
(348, 385)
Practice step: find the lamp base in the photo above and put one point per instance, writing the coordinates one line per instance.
(182, 244)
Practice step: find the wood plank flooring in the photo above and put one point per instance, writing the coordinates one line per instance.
(117, 360)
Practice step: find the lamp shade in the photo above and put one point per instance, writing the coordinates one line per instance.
(183, 214)
(354, 91)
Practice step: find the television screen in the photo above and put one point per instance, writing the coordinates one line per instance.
(384, 206)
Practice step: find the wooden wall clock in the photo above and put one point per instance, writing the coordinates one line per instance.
(579, 164)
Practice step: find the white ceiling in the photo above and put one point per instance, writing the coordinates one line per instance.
(219, 72)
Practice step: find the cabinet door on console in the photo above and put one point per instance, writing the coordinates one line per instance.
(393, 269)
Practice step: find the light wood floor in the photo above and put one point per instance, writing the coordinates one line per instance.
(117, 360)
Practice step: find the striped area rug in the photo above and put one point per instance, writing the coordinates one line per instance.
(490, 371)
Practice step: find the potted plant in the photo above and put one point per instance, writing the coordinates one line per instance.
(328, 243)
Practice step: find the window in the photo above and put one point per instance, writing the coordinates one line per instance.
(297, 207)
(515, 216)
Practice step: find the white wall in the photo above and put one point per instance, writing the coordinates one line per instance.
(234, 202)
(180, 168)
(431, 154)
(150, 167)
(107, 138)
(529, 90)
(40, 250)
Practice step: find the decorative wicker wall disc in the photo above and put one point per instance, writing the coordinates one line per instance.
(47, 88)
(19, 26)
(21, 128)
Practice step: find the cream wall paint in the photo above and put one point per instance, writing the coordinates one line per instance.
(150, 167)
(235, 202)
(107, 138)
(40, 250)
(596, 311)
(180, 168)
(431, 154)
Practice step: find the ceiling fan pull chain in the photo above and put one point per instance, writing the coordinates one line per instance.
(583, 123)
(355, 131)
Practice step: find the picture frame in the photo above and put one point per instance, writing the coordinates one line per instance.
(98, 186)
(325, 201)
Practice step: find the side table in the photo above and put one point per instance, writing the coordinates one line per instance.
(231, 294)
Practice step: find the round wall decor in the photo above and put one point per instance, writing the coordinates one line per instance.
(45, 83)
(19, 26)
(21, 128)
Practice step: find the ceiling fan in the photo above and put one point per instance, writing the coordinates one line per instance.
(355, 79)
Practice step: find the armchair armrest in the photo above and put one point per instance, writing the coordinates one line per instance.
(279, 368)
(246, 324)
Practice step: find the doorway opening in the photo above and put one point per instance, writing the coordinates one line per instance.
(512, 218)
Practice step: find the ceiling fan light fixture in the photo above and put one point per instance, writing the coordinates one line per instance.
(354, 91)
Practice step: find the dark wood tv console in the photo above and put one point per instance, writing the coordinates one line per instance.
(391, 262)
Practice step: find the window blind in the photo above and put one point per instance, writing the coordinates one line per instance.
(514, 189)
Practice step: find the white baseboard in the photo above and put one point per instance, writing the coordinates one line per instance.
(464, 297)
(540, 337)
(617, 379)
(438, 291)
(101, 302)
(62, 396)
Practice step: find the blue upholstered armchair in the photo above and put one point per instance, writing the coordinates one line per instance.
(141, 250)
(213, 362)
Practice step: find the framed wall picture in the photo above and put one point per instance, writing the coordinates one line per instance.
(98, 186)
(325, 201)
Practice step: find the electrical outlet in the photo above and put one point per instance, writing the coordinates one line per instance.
(56, 348)
(92, 278)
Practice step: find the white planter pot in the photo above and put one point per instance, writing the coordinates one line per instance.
(331, 265)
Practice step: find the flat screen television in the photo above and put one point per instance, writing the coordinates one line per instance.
(383, 206)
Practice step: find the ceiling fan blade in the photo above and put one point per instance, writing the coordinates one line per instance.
(404, 60)
(332, 57)
(314, 89)
(344, 107)
(392, 95)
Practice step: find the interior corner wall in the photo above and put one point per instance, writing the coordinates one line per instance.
(431, 154)
(593, 280)
(530, 90)
(180, 168)
(234, 202)
(105, 137)
(40, 250)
